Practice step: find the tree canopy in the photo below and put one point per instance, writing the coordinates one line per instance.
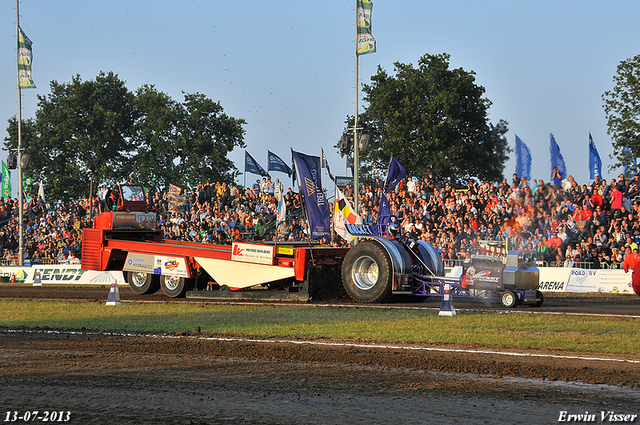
(100, 130)
(622, 108)
(432, 119)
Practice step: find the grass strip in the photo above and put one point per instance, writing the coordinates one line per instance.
(578, 334)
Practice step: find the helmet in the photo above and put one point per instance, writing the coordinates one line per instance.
(393, 229)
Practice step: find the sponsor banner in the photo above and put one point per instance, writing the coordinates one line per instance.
(252, 253)
(139, 263)
(361, 229)
(170, 266)
(134, 220)
(481, 275)
(553, 279)
(67, 274)
(564, 279)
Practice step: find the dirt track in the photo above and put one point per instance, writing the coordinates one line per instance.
(186, 379)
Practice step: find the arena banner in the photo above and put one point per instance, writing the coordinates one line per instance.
(61, 274)
(553, 279)
(565, 279)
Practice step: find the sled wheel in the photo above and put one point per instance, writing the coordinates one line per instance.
(366, 273)
(540, 297)
(142, 283)
(173, 286)
(509, 299)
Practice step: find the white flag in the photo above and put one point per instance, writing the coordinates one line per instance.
(41, 192)
(282, 209)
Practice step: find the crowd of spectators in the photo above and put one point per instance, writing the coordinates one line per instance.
(563, 222)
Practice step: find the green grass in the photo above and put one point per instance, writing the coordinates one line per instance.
(606, 335)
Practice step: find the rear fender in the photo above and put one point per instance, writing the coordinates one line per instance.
(400, 263)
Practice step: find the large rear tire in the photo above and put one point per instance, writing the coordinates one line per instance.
(174, 286)
(142, 283)
(366, 273)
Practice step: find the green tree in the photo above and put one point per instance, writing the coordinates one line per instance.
(83, 133)
(205, 136)
(433, 120)
(155, 132)
(100, 130)
(622, 108)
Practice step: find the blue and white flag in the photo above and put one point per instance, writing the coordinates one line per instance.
(325, 164)
(318, 210)
(556, 159)
(282, 209)
(523, 160)
(632, 166)
(595, 164)
(252, 166)
(277, 164)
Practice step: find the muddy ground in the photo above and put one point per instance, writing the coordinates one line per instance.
(192, 379)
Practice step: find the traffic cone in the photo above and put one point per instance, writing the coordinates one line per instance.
(114, 295)
(446, 308)
(37, 278)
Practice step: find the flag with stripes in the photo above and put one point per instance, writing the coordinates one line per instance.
(24, 61)
(343, 214)
(365, 42)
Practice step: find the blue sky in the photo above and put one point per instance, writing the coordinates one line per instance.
(287, 67)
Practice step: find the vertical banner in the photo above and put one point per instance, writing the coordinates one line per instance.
(595, 163)
(318, 211)
(6, 181)
(523, 160)
(24, 61)
(365, 42)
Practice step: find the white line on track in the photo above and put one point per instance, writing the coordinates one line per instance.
(329, 344)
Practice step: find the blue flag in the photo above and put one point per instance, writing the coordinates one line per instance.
(277, 164)
(556, 158)
(595, 164)
(523, 160)
(318, 211)
(385, 208)
(252, 166)
(395, 174)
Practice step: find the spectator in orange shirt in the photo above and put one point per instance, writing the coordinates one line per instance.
(632, 261)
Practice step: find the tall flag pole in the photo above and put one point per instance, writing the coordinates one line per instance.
(365, 43)
(24, 56)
